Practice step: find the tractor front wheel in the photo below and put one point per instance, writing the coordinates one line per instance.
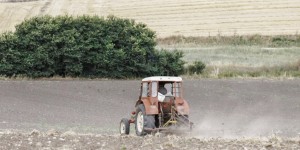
(143, 121)
(124, 126)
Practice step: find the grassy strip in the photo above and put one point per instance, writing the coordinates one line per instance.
(240, 56)
(247, 56)
(258, 40)
(291, 70)
(282, 71)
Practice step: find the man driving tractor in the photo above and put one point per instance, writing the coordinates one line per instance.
(160, 107)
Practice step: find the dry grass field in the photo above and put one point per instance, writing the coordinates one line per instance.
(239, 56)
(173, 17)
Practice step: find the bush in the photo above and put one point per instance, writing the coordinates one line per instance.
(170, 63)
(84, 46)
(196, 68)
(10, 63)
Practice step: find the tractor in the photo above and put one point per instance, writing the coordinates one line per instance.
(160, 108)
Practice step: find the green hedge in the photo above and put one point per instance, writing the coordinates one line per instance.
(84, 46)
(196, 68)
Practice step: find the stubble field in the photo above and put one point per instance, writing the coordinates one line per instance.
(173, 17)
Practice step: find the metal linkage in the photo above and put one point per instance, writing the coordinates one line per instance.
(173, 119)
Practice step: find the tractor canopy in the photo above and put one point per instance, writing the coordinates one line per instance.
(162, 89)
(161, 86)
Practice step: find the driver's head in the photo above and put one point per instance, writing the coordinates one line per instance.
(162, 89)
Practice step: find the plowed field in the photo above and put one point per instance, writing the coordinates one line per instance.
(234, 114)
(250, 113)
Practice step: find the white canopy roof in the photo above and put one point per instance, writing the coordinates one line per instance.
(163, 78)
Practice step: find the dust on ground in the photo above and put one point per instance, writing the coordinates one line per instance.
(228, 114)
(219, 108)
(53, 139)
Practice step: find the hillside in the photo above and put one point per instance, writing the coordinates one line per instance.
(173, 17)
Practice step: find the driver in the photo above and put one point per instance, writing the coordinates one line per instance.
(162, 90)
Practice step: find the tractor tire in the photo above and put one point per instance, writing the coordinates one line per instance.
(143, 121)
(124, 126)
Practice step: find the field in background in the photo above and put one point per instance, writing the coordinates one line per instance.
(241, 56)
(174, 17)
(238, 51)
(202, 19)
(245, 61)
(234, 56)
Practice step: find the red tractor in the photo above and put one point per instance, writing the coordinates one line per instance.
(160, 107)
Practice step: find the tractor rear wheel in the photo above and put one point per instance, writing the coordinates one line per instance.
(124, 126)
(143, 121)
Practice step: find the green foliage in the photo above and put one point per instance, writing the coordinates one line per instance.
(10, 63)
(170, 63)
(196, 68)
(285, 41)
(86, 46)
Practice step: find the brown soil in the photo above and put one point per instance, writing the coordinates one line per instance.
(219, 108)
(71, 140)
